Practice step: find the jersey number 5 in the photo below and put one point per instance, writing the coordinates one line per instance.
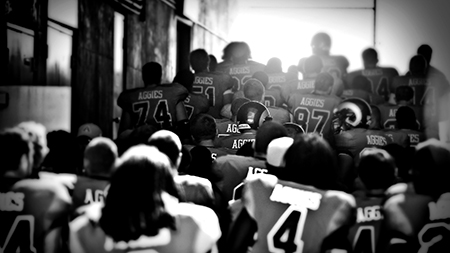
(286, 234)
(20, 235)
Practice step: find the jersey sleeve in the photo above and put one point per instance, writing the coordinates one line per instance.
(208, 226)
(179, 92)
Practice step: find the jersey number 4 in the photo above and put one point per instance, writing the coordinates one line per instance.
(286, 235)
(161, 114)
(20, 236)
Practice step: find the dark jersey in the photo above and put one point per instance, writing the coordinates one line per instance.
(354, 141)
(277, 80)
(369, 217)
(29, 209)
(242, 72)
(213, 85)
(388, 111)
(195, 104)
(89, 190)
(272, 97)
(235, 142)
(380, 79)
(418, 223)
(215, 151)
(226, 127)
(296, 218)
(154, 105)
(415, 137)
(336, 65)
(313, 112)
(399, 137)
(280, 114)
(234, 170)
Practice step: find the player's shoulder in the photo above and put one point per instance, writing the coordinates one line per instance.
(203, 217)
(256, 64)
(354, 73)
(261, 179)
(347, 200)
(389, 71)
(44, 188)
(193, 181)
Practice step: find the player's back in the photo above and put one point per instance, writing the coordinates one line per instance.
(380, 79)
(272, 97)
(295, 218)
(197, 230)
(313, 112)
(336, 65)
(419, 221)
(242, 72)
(398, 137)
(29, 210)
(154, 105)
(415, 137)
(213, 85)
(277, 80)
(420, 86)
(236, 141)
(89, 190)
(355, 93)
(195, 104)
(235, 169)
(354, 141)
(280, 114)
(364, 234)
(388, 111)
(304, 86)
(226, 127)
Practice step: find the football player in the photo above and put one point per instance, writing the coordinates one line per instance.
(407, 123)
(192, 189)
(99, 161)
(295, 210)
(312, 67)
(142, 212)
(313, 112)
(194, 103)
(204, 132)
(377, 172)
(228, 126)
(427, 93)
(419, 221)
(336, 65)
(255, 91)
(380, 77)
(34, 212)
(249, 117)
(215, 86)
(403, 97)
(272, 96)
(277, 78)
(160, 105)
(352, 136)
(242, 68)
(235, 168)
(361, 87)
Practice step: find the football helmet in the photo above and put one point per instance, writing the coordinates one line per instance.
(352, 113)
(251, 115)
(293, 129)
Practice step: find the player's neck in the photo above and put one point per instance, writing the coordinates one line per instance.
(206, 143)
